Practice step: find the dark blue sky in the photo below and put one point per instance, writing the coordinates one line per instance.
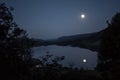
(48, 19)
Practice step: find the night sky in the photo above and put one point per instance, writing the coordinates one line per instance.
(47, 19)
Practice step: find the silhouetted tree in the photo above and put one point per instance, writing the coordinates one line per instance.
(15, 53)
(109, 53)
(49, 68)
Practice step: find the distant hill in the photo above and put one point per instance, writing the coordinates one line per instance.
(89, 41)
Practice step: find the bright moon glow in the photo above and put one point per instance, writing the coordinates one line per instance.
(84, 60)
(82, 16)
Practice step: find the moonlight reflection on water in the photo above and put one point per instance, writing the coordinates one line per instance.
(74, 55)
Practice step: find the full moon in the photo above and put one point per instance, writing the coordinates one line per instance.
(82, 16)
(84, 60)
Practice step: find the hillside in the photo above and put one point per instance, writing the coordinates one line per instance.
(89, 41)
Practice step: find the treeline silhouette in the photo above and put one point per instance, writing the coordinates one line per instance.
(17, 63)
(109, 52)
(15, 52)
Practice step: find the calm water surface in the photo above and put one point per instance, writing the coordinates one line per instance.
(73, 55)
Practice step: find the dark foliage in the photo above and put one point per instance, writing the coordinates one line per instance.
(49, 68)
(109, 53)
(15, 51)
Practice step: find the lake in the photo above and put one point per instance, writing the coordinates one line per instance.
(73, 55)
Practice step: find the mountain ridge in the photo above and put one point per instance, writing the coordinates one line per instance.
(89, 41)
